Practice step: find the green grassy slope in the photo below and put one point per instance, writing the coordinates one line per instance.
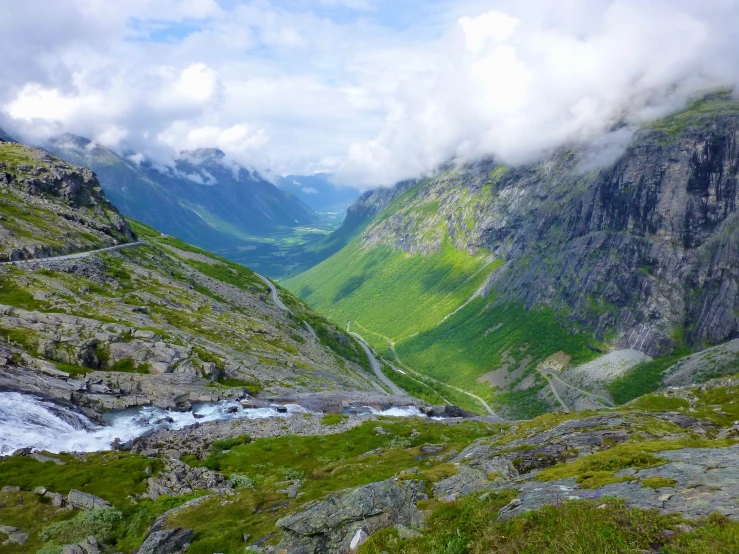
(410, 300)
(389, 291)
(483, 337)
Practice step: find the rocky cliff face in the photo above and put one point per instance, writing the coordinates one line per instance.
(641, 253)
(50, 207)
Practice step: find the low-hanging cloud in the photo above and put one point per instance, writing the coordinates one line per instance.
(519, 83)
(294, 88)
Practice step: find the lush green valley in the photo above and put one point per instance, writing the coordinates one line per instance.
(391, 292)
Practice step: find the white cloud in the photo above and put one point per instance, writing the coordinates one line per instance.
(198, 82)
(386, 92)
(478, 31)
(137, 158)
(309, 190)
(352, 4)
(518, 85)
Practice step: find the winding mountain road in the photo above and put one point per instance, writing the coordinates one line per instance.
(422, 376)
(275, 296)
(376, 366)
(77, 256)
(597, 399)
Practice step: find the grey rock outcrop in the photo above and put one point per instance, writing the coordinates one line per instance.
(179, 478)
(167, 541)
(88, 546)
(342, 522)
(67, 197)
(15, 535)
(705, 481)
(86, 501)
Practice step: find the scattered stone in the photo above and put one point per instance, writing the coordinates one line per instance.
(432, 448)
(89, 546)
(56, 499)
(17, 537)
(380, 430)
(86, 501)
(10, 488)
(293, 487)
(44, 459)
(179, 478)
(13, 533)
(359, 538)
(512, 505)
(374, 452)
(39, 491)
(469, 480)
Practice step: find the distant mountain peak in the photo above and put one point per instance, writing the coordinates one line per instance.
(203, 154)
(5, 137)
(69, 140)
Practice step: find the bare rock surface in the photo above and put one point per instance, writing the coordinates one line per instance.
(343, 521)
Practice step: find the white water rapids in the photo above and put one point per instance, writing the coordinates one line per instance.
(27, 421)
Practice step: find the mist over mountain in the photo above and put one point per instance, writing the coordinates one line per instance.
(203, 197)
(319, 192)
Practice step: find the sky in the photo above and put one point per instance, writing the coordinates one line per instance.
(373, 91)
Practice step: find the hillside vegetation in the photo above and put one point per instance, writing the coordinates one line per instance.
(635, 255)
(391, 292)
(160, 322)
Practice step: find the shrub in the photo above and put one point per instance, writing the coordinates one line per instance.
(292, 474)
(242, 481)
(99, 523)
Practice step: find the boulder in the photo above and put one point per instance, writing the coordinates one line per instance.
(343, 522)
(167, 541)
(15, 535)
(88, 546)
(86, 501)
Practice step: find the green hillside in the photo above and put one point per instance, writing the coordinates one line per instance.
(483, 337)
(419, 305)
(391, 292)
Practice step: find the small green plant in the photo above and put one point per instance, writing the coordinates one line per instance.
(100, 523)
(242, 481)
(658, 482)
(399, 442)
(333, 419)
(292, 474)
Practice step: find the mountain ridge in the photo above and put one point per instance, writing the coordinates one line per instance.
(635, 255)
(179, 200)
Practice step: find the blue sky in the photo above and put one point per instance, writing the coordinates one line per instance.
(372, 90)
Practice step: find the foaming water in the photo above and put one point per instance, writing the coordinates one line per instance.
(395, 411)
(28, 421)
(405, 411)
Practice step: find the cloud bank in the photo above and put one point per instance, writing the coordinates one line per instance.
(369, 90)
(517, 84)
